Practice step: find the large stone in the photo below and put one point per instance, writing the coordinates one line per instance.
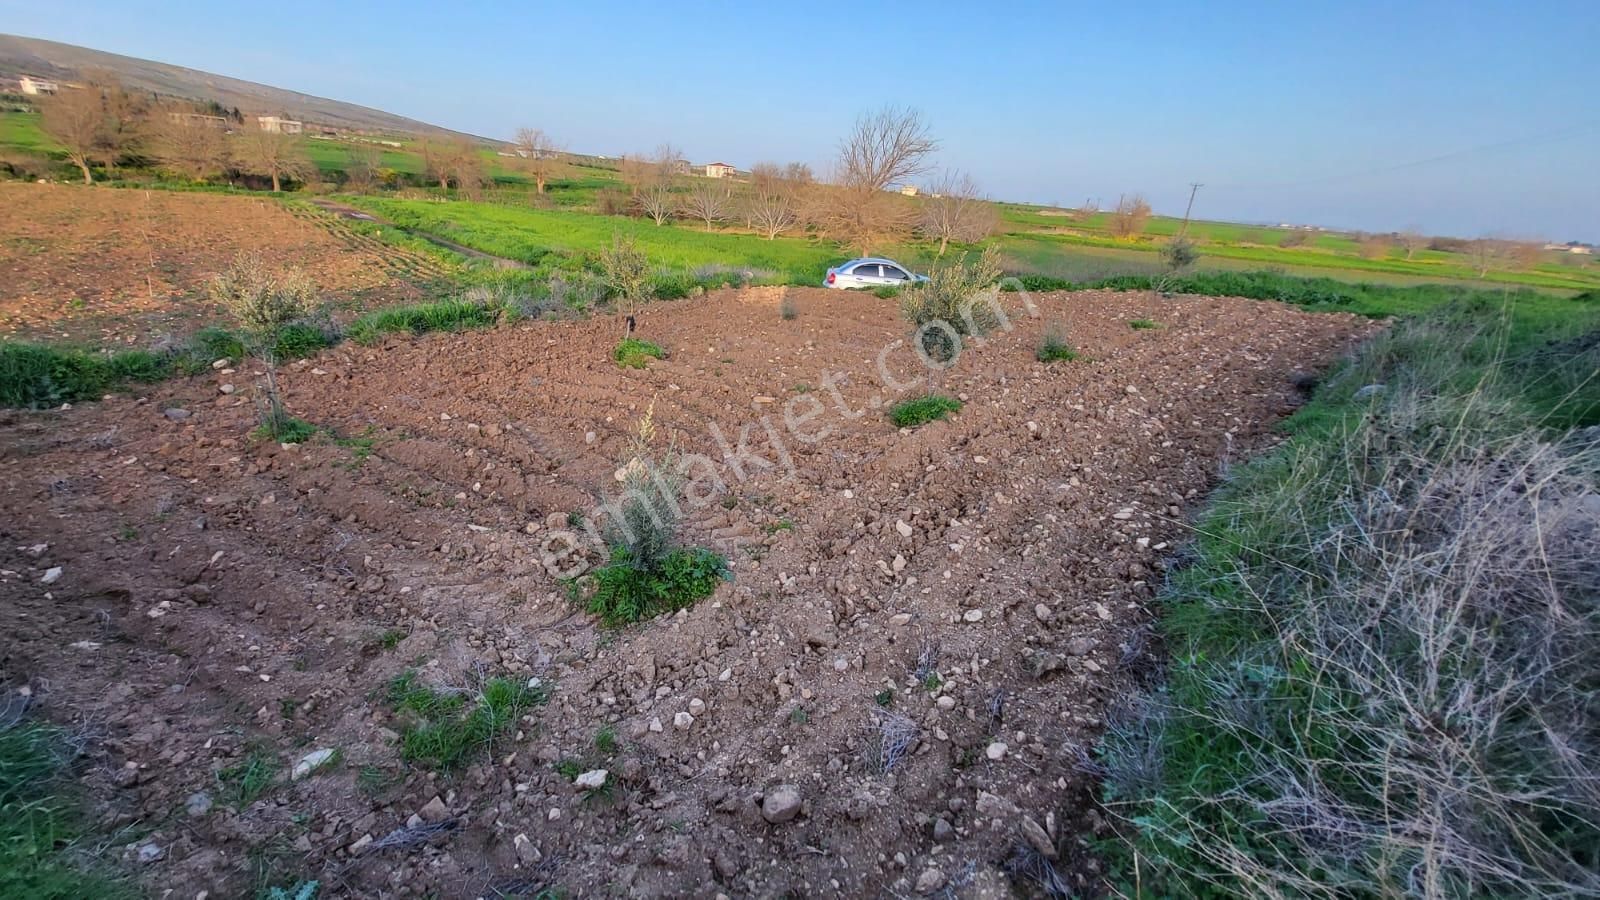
(592, 780)
(434, 810)
(781, 804)
(311, 762)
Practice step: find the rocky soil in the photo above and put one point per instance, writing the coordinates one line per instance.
(893, 696)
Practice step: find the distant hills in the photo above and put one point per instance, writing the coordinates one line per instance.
(33, 56)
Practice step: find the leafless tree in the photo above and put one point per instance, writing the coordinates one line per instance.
(277, 156)
(540, 156)
(194, 148)
(465, 166)
(883, 149)
(435, 162)
(1484, 253)
(1130, 217)
(651, 181)
(776, 196)
(710, 201)
(361, 171)
(127, 126)
(77, 119)
(1374, 246)
(955, 210)
(1412, 239)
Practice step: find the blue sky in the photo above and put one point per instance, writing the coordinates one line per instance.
(1286, 111)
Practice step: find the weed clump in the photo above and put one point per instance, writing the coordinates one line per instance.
(443, 315)
(445, 728)
(1143, 324)
(1054, 348)
(36, 376)
(922, 410)
(633, 353)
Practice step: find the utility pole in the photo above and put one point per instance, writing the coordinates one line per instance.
(1194, 187)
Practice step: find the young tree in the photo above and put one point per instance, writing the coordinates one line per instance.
(264, 302)
(1130, 217)
(883, 149)
(1484, 253)
(1374, 246)
(955, 210)
(277, 156)
(540, 156)
(710, 201)
(435, 162)
(195, 149)
(77, 119)
(625, 270)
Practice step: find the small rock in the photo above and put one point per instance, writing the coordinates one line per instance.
(1081, 646)
(198, 804)
(696, 706)
(1038, 837)
(1042, 612)
(434, 810)
(989, 804)
(781, 804)
(527, 853)
(311, 762)
(683, 720)
(901, 526)
(592, 780)
(946, 702)
(972, 615)
(655, 724)
(943, 833)
(996, 751)
(177, 414)
(930, 880)
(226, 388)
(51, 575)
(149, 853)
(360, 844)
(899, 619)
(222, 363)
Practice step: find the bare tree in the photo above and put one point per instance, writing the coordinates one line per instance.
(277, 156)
(194, 147)
(540, 156)
(1412, 239)
(76, 118)
(956, 210)
(1130, 217)
(651, 181)
(126, 124)
(1484, 253)
(1374, 246)
(710, 201)
(883, 149)
(465, 165)
(435, 162)
(776, 197)
(361, 171)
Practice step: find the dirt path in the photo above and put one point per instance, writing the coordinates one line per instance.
(220, 598)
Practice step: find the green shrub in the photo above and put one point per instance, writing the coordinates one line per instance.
(633, 353)
(36, 376)
(954, 297)
(442, 315)
(625, 592)
(922, 410)
(886, 292)
(1143, 324)
(446, 729)
(285, 430)
(1054, 349)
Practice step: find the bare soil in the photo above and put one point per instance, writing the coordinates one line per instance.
(102, 265)
(220, 595)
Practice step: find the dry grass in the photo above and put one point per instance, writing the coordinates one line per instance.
(1385, 662)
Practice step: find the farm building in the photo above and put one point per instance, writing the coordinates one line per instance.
(279, 125)
(910, 190)
(191, 118)
(33, 84)
(720, 170)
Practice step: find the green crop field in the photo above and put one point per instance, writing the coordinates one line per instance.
(20, 131)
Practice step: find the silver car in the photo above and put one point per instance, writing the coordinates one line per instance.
(870, 272)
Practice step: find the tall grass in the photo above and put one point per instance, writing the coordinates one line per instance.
(1384, 654)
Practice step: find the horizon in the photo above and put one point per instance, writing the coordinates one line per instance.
(1437, 140)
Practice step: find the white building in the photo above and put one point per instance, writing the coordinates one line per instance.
(720, 170)
(33, 84)
(279, 125)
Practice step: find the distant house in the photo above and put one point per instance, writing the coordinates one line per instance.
(280, 125)
(910, 190)
(1577, 247)
(33, 84)
(720, 170)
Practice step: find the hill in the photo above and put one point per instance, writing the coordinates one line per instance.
(20, 55)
